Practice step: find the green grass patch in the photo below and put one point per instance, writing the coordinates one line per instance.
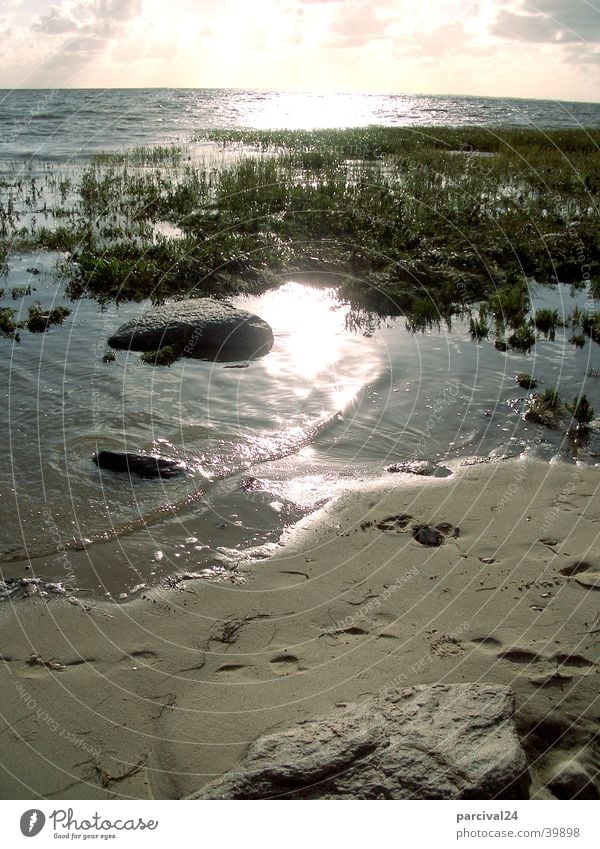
(39, 320)
(421, 221)
(164, 356)
(526, 381)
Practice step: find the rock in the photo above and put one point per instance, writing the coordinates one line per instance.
(427, 535)
(199, 327)
(572, 781)
(145, 465)
(419, 467)
(440, 741)
(413, 467)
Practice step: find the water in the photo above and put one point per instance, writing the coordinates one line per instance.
(267, 441)
(72, 124)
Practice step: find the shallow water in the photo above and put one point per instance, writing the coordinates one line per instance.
(265, 441)
(333, 401)
(63, 124)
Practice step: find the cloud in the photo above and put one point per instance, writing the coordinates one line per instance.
(550, 22)
(356, 25)
(584, 55)
(56, 22)
(118, 10)
(78, 34)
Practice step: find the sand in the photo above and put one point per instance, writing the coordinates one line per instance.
(156, 697)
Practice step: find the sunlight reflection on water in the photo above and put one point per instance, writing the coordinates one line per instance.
(313, 345)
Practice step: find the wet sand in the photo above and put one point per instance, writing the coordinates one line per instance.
(156, 697)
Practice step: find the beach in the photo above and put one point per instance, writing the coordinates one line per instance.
(157, 697)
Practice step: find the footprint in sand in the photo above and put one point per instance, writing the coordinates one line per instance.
(487, 644)
(447, 646)
(543, 669)
(235, 672)
(288, 578)
(391, 523)
(583, 573)
(285, 664)
(348, 635)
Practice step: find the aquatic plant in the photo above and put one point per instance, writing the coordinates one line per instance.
(509, 305)
(523, 339)
(38, 320)
(591, 326)
(166, 355)
(391, 214)
(546, 321)
(20, 292)
(550, 399)
(7, 325)
(526, 381)
(545, 408)
(582, 411)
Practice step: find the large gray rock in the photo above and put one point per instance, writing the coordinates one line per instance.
(197, 327)
(428, 742)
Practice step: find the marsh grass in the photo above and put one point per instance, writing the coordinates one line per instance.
(526, 381)
(546, 321)
(546, 408)
(166, 355)
(582, 411)
(39, 320)
(422, 221)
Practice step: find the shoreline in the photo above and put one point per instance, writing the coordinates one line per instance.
(165, 693)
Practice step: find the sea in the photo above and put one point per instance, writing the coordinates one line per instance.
(265, 442)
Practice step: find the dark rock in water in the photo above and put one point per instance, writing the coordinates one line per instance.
(199, 327)
(413, 467)
(427, 535)
(419, 467)
(440, 741)
(145, 465)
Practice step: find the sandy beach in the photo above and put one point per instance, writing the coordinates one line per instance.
(157, 697)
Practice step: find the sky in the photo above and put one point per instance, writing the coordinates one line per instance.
(547, 49)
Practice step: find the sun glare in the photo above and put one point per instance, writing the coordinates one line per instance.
(313, 349)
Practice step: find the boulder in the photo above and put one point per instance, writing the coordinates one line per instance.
(199, 327)
(440, 741)
(145, 465)
(572, 781)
